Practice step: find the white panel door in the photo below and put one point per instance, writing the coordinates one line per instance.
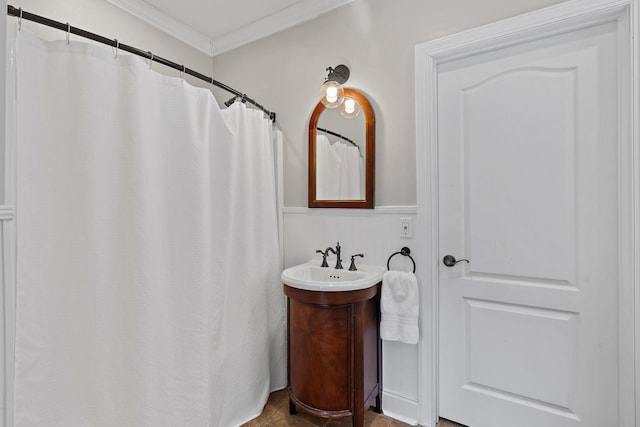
(528, 192)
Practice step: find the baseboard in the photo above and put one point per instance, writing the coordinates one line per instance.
(400, 407)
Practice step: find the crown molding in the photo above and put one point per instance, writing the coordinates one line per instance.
(165, 23)
(288, 17)
(293, 15)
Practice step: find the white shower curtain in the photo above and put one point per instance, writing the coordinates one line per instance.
(339, 171)
(148, 290)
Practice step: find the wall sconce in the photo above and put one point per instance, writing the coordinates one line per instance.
(331, 92)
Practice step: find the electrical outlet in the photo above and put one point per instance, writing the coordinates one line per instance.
(405, 228)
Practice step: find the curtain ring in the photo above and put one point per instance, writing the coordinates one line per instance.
(211, 85)
(68, 32)
(150, 58)
(115, 49)
(20, 19)
(182, 72)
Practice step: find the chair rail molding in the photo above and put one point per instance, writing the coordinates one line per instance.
(289, 210)
(7, 213)
(543, 23)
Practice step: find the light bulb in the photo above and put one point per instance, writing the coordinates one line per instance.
(331, 94)
(349, 108)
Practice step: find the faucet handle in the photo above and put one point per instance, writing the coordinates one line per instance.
(324, 257)
(352, 267)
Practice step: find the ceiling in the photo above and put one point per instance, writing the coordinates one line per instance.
(216, 26)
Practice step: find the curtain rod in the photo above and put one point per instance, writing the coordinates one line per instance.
(21, 14)
(330, 132)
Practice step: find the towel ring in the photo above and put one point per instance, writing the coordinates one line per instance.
(405, 251)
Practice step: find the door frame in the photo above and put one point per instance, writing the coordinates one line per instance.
(550, 21)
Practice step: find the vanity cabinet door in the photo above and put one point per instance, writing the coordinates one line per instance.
(320, 368)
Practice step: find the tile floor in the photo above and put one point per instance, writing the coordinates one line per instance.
(276, 414)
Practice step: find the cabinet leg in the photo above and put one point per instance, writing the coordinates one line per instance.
(358, 417)
(292, 408)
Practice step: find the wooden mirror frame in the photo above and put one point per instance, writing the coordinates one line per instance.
(370, 156)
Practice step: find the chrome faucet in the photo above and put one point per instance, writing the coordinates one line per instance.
(337, 252)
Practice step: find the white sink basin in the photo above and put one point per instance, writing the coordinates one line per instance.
(311, 277)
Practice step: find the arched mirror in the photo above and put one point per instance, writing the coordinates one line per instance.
(342, 156)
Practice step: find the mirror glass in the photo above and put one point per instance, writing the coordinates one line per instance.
(342, 156)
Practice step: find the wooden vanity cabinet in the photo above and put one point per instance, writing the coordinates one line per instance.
(334, 352)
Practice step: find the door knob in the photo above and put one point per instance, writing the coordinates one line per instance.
(450, 260)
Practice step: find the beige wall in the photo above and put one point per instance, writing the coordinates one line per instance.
(376, 39)
(101, 17)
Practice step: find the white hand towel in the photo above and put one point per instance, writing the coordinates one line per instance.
(399, 304)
